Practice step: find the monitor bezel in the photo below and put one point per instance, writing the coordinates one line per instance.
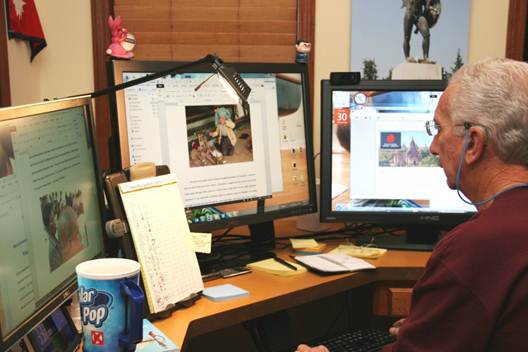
(120, 135)
(435, 219)
(65, 291)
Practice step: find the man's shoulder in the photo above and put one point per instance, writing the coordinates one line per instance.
(496, 229)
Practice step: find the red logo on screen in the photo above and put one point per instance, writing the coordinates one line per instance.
(98, 338)
(390, 138)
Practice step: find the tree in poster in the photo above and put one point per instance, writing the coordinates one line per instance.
(370, 71)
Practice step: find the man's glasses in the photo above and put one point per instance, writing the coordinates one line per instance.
(432, 128)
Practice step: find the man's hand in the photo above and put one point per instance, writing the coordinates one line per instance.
(306, 348)
(395, 328)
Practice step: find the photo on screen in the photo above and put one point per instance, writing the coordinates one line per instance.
(60, 213)
(217, 135)
(55, 334)
(7, 156)
(21, 346)
(406, 149)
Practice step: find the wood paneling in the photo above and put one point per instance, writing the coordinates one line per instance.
(100, 41)
(5, 96)
(516, 37)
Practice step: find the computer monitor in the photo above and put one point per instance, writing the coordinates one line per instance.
(376, 166)
(235, 165)
(50, 209)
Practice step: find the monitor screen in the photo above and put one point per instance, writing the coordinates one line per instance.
(50, 209)
(375, 159)
(235, 165)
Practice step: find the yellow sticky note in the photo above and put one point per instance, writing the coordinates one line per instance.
(303, 243)
(274, 267)
(359, 251)
(200, 242)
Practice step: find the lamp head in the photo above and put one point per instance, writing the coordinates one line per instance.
(232, 77)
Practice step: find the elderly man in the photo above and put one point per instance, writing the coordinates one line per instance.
(473, 295)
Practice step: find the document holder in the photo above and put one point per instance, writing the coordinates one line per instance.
(118, 229)
(111, 182)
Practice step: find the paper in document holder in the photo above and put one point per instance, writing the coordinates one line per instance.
(160, 232)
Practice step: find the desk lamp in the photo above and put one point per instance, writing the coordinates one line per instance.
(228, 76)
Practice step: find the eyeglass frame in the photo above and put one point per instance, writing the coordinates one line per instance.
(431, 125)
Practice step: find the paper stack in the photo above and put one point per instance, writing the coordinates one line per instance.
(359, 251)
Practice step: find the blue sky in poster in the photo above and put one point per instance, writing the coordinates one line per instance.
(377, 33)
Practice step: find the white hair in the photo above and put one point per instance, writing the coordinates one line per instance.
(493, 93)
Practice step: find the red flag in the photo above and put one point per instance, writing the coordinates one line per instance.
(23, 23)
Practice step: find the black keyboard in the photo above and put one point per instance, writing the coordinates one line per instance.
(357, 341)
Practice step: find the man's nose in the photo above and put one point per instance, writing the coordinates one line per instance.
(433, 147)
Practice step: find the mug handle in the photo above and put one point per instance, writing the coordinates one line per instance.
(134, 331)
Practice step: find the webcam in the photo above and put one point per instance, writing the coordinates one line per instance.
(344, 78)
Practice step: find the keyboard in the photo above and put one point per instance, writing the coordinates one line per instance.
(357, 341)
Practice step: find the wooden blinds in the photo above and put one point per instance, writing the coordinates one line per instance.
(236, 30)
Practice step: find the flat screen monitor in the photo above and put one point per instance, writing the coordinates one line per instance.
(50, 209)
(376, 166)
(235, 165)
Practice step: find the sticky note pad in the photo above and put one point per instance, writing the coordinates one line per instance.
(303, 243)
(274, 267)
(224, 292)
(200, 242)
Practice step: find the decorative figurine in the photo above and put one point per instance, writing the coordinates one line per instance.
(303, 51)
(122, 42)
(422, 15)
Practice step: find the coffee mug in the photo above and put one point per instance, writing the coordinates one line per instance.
(111, 303)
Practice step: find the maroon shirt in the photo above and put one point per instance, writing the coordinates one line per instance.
(473, 295)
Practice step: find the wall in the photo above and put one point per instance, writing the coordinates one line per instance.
(65, 66)
(488, 28)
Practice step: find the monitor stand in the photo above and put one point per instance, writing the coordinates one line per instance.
(262, 240)
(417, 238)
(261, 246)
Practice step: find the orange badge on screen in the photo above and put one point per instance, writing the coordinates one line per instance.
(342, 116)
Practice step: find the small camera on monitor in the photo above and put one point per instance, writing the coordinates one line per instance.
(344, 78)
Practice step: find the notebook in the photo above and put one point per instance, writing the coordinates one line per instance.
(329, 263)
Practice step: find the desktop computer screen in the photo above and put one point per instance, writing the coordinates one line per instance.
(236, 165)
(376, 166)
(50, 209)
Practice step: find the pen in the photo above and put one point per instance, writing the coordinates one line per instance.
(285, 263)
(159, 339)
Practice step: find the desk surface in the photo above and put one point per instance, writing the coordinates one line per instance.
(270, 293)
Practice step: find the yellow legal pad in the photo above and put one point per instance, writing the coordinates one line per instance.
(273, 267)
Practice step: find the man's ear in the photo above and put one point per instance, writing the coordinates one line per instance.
(476, 144)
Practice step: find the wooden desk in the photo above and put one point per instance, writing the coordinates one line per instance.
(270, 293)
